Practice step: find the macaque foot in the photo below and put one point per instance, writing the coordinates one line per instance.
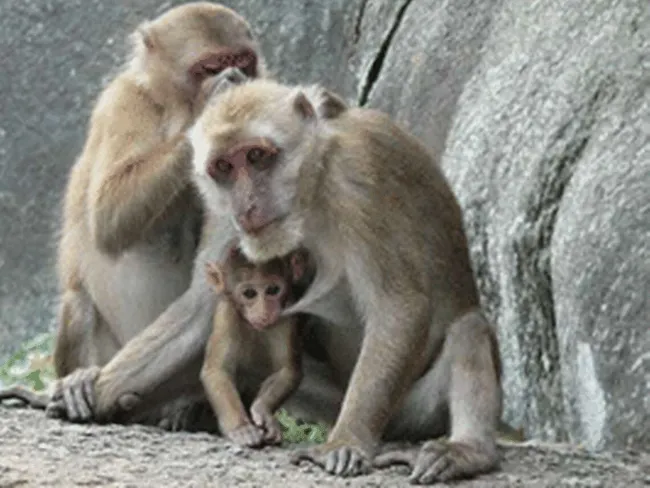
(74, 396)
(266, 421)
(336, 459)
(247, 435)
(443, 461)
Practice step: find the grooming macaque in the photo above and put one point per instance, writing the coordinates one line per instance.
(132, 220)
(252, 348)
(290, 166)
(406, 352)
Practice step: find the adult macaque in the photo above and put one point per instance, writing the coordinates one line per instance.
(132, 218)
(252, 350)
(294, 166)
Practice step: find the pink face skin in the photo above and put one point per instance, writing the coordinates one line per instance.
(214, 63)
(261, 300)
(246, 167)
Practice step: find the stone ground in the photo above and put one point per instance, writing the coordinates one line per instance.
(36, 451)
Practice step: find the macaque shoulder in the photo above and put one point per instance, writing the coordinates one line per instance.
(125, 100)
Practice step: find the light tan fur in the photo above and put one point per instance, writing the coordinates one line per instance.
(401, 349)
(131, 215)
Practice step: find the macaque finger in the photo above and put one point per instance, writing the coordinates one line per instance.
(340, 459)
(351, 462)
(72, 413)
(76, 391)
(88, 390)
(269, 425)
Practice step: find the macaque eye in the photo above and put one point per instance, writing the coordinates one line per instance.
(261, 158)
(249, 293)
(255, 155)
(223, 166)
(272, 290)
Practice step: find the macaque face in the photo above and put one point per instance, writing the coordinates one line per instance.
(260, 299)
(248, 159)
(259, 291)
(202, 41)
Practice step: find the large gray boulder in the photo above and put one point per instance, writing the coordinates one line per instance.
(539, 112)
(549, 154)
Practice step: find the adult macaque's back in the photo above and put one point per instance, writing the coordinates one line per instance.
(132, 217)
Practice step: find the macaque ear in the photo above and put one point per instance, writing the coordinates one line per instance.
(303, 106)
(331, 105)
(215, 276)
(298, 262)
(324, 104)
(143, 37)
(234, 251)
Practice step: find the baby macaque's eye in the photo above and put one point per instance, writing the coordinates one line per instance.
(249, 293)
(272, 290)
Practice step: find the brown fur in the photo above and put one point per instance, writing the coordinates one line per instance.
(393, 271)
(264, 364)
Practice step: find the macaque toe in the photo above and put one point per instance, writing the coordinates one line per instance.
(247, 435)
(445, 461)
(344, 461)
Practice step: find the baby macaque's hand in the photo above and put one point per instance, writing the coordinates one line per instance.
(248, 435)
(267, 422)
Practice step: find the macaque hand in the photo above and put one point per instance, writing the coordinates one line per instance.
(266, 421)
(336, 458)
(216, 85)
(74, 396)
(248, 435)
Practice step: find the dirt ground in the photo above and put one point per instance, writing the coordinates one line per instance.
(39, 452)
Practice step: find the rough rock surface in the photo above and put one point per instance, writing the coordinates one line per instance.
(538, 110)
(553, 125)
(35, 451)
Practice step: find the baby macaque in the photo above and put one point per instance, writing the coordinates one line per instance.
(251, 345)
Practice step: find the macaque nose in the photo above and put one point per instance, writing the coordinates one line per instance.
(251, 221)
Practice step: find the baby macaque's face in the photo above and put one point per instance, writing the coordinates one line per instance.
(260, 298)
